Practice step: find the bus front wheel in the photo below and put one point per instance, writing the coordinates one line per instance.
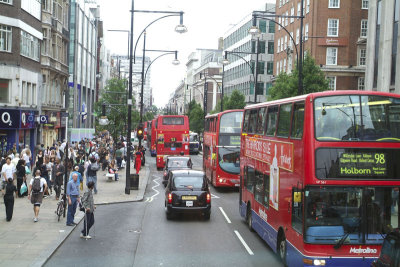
(282, 247)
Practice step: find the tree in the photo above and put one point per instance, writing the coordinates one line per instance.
(235, 101)
(286, 85)
(196, 117)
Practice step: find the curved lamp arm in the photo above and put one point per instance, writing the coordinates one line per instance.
(233, 53)
(145, 74)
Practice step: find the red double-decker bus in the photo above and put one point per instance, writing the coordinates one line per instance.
(320, 175)
(145, 130)
(221, 148)
(153, 136)
(172, 137)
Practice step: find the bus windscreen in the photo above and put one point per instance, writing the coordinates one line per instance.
(172, 121)
(357, 118)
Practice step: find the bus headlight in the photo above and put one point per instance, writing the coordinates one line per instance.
(315, 262)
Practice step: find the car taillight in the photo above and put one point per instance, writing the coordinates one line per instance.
(169, 198)
(165, 173)
(208, 198)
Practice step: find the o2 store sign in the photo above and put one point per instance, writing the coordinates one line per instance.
(14, 119)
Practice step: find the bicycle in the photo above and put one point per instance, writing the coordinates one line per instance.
(60, 207)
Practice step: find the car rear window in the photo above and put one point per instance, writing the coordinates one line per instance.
(188, 182)
(178, 163)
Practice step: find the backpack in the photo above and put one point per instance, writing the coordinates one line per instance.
(36, 186)
(94, 166)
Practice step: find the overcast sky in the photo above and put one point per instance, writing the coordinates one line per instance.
(206, 20)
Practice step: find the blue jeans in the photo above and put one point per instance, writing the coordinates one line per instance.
(72, 209)
(94, 180)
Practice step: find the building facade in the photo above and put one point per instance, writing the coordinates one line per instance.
(82, 65)
(20, 72)
(54, 61)
(334, 33)
(242, 51)
(383, 59)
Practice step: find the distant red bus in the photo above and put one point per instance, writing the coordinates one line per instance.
(153, 137)
(172, 137)
(320, 175)
(221, 150)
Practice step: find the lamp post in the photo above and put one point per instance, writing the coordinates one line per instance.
(268, 15)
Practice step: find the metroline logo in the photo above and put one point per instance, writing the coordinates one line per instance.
(363, 250)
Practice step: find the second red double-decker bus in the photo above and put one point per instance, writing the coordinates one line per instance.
(152, 140)
(145, 130)
(320, 175)
(172, 137)
(221, 151)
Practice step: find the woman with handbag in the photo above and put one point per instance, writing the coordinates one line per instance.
(21, 176)
(112, 168)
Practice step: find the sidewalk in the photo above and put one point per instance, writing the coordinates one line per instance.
(25, 243)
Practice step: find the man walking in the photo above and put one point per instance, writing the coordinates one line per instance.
(35, 193)
(92, 173)
(7, 171)
(88, 205)
(73, 198)
(57, 177)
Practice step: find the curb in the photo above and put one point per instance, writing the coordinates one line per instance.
(46, 255)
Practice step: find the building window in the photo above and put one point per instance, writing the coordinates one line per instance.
(5, 38)
(364, 4)
(333, 27)
(270, 47)
(284, 64)
(363, 57)
(297, 36)
(298, 9)
(285, 46)
(4, 84)
(282, 44)
(6, 1)
(334, 3)
(277, 68)
(331, 56)
(306, 32)
(270, 67)
(292, 14)
(308, 7)
(279, 23)
(361, 83)
(279, 45)
(29, 46)
(262, 25)
(271, 27)
(364, 28)
(286, 18)
(332, 82)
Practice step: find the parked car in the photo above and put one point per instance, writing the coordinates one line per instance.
(175, 163)
(187, 191)
(390, 252)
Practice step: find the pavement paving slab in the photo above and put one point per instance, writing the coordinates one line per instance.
(25, 243)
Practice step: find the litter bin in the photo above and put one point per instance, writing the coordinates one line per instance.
(134, 181)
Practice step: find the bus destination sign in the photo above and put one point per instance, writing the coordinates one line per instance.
(362, 164)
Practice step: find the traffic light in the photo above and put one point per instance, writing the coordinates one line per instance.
(140, 132)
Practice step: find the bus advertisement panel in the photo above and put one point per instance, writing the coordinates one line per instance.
(221, 152)
(172, 137)
(145, 130)
(320, 176)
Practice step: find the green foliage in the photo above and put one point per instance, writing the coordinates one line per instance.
(235, 101)
(196, 117)
(286, 85)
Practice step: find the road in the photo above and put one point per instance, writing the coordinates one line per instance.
(138, 234)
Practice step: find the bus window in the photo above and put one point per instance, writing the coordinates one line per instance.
(297, 210)
(261, 121)
(266, 190)
(250, 181)
(246, 121)
(259, 186)
(298, 121)
(284, 120)
(253, 121)
(272, 117)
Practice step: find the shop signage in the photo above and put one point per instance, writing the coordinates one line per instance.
(44, 119)
(9, 119)
(27, 119)
(333, 41)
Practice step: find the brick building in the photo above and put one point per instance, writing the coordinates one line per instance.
(334, 33)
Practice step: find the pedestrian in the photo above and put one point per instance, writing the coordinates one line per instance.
(112, 168)
(91, 173)
(35, 193)
(57, 177)
(9, 199)
(7, 171)
(138, 161)
(73, 198)
(21, 175)
(49, 166)
(88, 206)
(40, 157)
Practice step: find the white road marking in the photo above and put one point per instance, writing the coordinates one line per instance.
(223, 213)
(214, 196)
(244, 243)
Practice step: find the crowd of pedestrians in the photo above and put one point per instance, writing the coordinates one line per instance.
(36, 173)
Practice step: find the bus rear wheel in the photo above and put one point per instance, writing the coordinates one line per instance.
(249, 218)
(282, 248)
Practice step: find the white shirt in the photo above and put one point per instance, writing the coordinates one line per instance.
(26, 158)
(9, 170)
(42, 182)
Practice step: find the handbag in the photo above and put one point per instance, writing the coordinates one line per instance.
(23, 189)
(81, 207)
(27, 170)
